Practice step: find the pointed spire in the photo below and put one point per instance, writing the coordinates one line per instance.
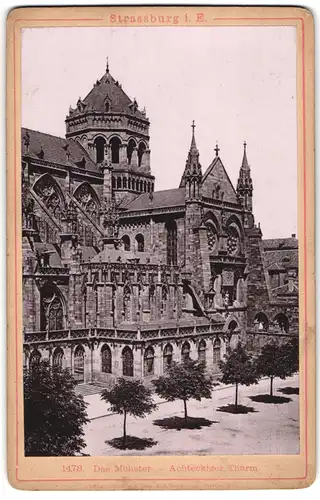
(193, 146)
(107, 65)
(245, 164)
(193, 166)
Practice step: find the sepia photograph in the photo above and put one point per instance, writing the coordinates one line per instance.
(160, 263)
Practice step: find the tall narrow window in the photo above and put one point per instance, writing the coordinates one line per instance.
(127, 303)
(149, 361)
(115, 149)
(140, 243)
(141, 151)
(79, 364)
(216, 351)
(126, 242)
(185, 351)
(130, 149)
(106, 359)
(51, 309)
(57, 357)
(127, 362)
(167, 357)
(171, 229)
(100, 145)
(202, 351)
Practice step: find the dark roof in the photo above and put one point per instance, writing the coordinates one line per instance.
(108, 89)
(280, 244)
(54, 149)
(158, 199)
(281, 259)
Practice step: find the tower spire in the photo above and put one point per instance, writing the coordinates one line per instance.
(193, 167)
(107, 65)
(244, 185)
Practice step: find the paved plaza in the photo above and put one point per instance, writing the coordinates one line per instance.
(264, 428)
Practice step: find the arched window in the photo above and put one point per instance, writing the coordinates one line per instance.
(149, 361)
(212, 238)
(127, 362)
(148, 187)
(141, 151)
(124, 183)
(202, 351)
(232, 326)
(167, 357)
(34, 359)
(126, 242)
(171, 230)
(133, 185)
(185, 351)
(50, 193)
(88, 199)
(164, 297)
(115, 149)
(141, 186)
(113, 183)
(216, 351)
(51, 309)
(130, 149)
(281, 323)
(127, 303)
(100, 145)
(78, 370)
(119, 183)
(140, 243)
(233, 241)
(57, 357)
(106, 359)
(145, 186)
(261, 322)
(129, 183)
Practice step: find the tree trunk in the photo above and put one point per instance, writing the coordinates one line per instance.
(236, 401)
(124, 429)
(185, 412)
(271, 386)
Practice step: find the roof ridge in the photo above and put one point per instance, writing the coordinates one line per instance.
(44, 133)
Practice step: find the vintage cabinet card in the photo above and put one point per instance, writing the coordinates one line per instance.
(161, 295)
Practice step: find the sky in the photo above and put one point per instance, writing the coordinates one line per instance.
(237, 83)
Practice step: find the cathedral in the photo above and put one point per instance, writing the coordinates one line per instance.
(120, 279)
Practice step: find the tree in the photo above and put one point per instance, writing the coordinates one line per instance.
(129, 397)
(276, 360)
(184, 381)
(291, 351)
(54, 415)
(238, 368)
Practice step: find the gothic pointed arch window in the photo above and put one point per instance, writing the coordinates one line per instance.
(212, 237)
(171, 230)
(115, 144)
(126, 242)
(78, 364)
(149, 361)
(35, 358)
(233, 241)
(141, 150)
(100, 145)
(185, 351)
(127, 303)
(202, 348)
(261, 322)
(164, 297)
(57, 357)
(88, 199)
(106, 359)
(127, 362)
(216, 351)
(130, 149)
(52, 310)
(50, 193)
(140, 243)
(167, 357)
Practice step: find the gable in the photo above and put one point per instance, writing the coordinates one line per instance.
(216, 175)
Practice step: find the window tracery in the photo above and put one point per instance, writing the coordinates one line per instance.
(88, 199)
(49, 193)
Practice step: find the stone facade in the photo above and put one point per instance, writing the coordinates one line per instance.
(120, 279)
